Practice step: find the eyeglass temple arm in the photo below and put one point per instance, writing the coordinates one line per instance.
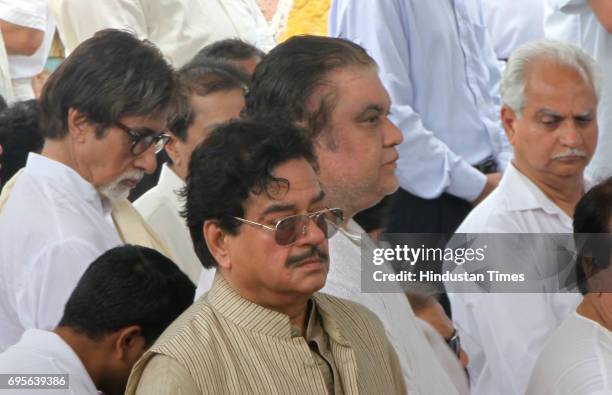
(246, 221)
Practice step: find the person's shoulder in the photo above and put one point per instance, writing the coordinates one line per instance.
(492, 215)
(347, 311)
(572, 359)
(196, 324)
(162, 375)
(36, 351)
(191, 340)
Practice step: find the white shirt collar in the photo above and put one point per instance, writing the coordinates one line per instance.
(71, 181)
(516, 185)
(50, 344)
(170, 184)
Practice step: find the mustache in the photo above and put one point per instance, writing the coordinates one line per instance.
(570, 152)
(312, 252)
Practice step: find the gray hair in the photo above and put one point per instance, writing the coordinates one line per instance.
(514, 83)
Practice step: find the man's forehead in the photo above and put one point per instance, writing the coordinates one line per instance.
(344, 81)
(284, 189)
(283, 196)
(551, 76)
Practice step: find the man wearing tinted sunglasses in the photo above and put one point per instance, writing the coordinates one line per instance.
(255, 210)
(103, 116)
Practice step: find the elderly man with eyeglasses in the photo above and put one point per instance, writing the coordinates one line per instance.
(255, 209)
(103, 117)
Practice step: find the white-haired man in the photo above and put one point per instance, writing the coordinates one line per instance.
(549, 112)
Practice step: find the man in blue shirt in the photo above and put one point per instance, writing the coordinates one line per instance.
(441, 72)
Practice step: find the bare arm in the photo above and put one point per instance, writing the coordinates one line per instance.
(603, 11)
(20, 40)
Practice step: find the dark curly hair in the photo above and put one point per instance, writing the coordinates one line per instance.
(238, 158)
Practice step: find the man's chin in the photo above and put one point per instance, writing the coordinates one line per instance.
(390, 191)
(314, 283)
(114, 194)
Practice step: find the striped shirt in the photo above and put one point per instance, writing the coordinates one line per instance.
(225, 344)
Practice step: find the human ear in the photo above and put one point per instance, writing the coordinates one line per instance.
(79, 125)
(218, 242)
(129, 344)
(172, 149)
(508, 118)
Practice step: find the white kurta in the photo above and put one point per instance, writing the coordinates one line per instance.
(577, 360)
(52, 227)
(160, 207)
(43, 352)
(503, 333)
(180, 28)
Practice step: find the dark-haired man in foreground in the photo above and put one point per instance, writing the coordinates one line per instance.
(123, 302)
(255, 212)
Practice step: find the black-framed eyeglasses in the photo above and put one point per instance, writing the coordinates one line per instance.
(454, 342)
(143, 138)
(287, 230)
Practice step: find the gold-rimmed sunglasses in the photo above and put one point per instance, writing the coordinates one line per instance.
(288, 229)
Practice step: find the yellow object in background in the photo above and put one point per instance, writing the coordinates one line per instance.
(307, 17)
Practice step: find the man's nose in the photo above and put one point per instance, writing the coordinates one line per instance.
(147, 161)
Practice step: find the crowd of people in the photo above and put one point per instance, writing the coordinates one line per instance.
(186, 205)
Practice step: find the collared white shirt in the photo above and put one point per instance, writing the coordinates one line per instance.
(512, 23)
(423, 373)
(577, 360)
(180, 28)
(575, 22)
(52, 227)
(503, 333)
(34, 14)
(160, 207)
(44, 352)
(439, 67)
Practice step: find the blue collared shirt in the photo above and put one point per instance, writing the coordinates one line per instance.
(436, 60)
